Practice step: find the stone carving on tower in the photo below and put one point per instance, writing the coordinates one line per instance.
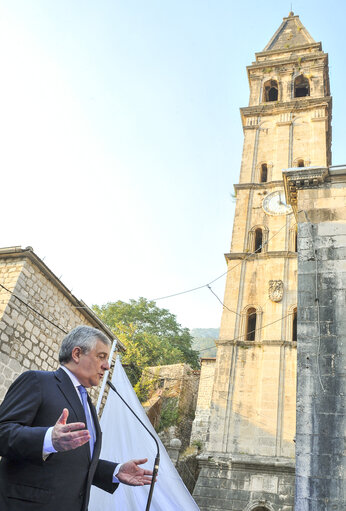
(246, 418)
(276, 290)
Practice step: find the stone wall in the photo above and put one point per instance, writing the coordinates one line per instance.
(321, 389)
(179, 382)
(27, 339)
(242, 485)
(200, 426)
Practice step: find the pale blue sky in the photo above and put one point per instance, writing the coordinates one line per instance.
(121, 137)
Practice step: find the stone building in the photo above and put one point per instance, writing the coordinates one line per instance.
(174, 391)
(200, 426)
(318, 197)
(36, 311)
(249, 458)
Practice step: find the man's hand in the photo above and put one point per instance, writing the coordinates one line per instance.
(68, 436)
(130, 473)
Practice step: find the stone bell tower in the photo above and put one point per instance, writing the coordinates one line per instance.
(249, 446)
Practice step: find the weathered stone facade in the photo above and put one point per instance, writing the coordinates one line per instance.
(319, 199)
(226, 484)
(249, 459)
(36, 310)
(180, 383)
(200, 426)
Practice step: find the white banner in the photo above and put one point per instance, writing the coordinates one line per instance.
(124, 438)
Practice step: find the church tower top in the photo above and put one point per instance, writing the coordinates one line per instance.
(290, 34)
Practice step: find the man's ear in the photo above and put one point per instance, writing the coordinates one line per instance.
(76, 354)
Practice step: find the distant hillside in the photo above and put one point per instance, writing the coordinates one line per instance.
(203, 341)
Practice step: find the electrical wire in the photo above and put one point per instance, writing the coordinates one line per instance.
(34, 310)
(223, 274)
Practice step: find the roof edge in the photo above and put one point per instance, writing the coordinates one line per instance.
(17, 252)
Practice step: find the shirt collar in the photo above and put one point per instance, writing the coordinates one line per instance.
(72, 377)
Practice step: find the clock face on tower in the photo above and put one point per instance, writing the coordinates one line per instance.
(275, 204)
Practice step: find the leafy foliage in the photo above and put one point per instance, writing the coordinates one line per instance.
(152, 336)
(169, 413)
(145, 386)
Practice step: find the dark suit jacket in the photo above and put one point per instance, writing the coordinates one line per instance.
(32, 404)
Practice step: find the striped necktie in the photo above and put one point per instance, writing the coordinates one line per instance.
(89, 422)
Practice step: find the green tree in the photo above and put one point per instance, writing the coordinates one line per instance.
(152, 336)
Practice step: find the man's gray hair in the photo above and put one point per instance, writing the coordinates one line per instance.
(85, 337)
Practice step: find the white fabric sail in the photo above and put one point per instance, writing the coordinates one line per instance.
(124, 438)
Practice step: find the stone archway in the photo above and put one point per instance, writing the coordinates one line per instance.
(259, 505)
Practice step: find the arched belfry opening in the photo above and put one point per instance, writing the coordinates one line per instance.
(264, 173)
(271, 90)
(251, 317)
(301, 87)
(258, 240)
(300, 163)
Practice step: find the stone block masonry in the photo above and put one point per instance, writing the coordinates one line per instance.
(321, 421)
(244, 484)
(200, 426)
(321, 387)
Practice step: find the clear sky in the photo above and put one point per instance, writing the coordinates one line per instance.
(121, 137)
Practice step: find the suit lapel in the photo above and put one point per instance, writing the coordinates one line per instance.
(68, 389)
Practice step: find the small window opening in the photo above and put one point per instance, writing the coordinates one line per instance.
(300, 163)
(301, 87)
(294, 326)
(261, 508)
(271, 90)
(264, 173)
(251, 324)
(296, 242)
(258, 240)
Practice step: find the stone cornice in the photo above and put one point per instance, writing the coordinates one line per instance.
(246, 462)
(316, 46)
(254, 344)
(260, 64)
(262, 255)
(275, 107)
(299, 178)
(250, 186)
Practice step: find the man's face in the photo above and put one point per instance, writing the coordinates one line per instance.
(90, 367)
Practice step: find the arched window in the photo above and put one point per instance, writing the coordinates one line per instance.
(258, 240)
(250, 324)
(264, 173)
(296, 242)
(271, 90)
(300, 163)
(294, 325)
(301, 87)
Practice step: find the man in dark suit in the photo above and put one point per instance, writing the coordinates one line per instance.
(50, 438)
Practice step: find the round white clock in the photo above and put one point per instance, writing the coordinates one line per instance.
(275, 204)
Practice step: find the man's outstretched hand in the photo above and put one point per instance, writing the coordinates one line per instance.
(68, 436)
(133, 475)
